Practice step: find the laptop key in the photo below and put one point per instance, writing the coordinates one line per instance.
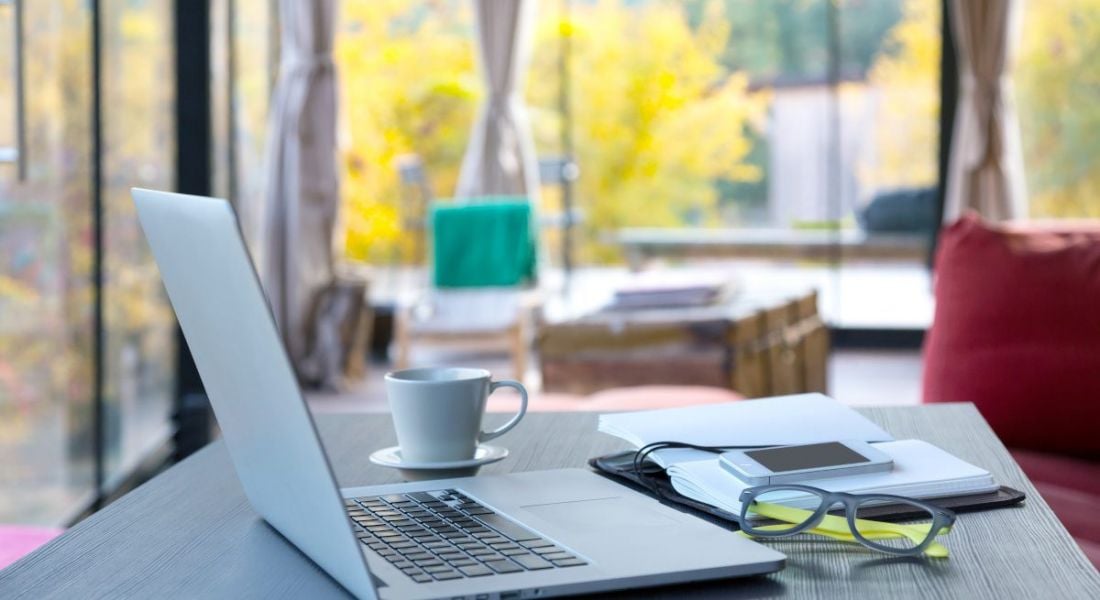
(452, 574)
(422, 578)
(421, 496)
(532, 562)
(570, 562)
(475, 571)
(415, 556)
(508, 528)
(514, 551)
(431, 562)
(503, 566)
(556, 556)
(461, 562)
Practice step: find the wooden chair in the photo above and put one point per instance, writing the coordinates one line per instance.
(496, 317)
(469, 302)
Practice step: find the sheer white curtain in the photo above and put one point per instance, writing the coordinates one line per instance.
(500, 157)
(986, 170)
(291, 230)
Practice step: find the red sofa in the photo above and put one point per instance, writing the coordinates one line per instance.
(1017, 332)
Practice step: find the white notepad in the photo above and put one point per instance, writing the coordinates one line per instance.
(778, 421)
(921, 470)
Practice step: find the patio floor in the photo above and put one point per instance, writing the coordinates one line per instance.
(857, 378)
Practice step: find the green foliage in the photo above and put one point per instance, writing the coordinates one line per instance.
(657, 118)
(1058, 84)
(408, 86)
(790, 38)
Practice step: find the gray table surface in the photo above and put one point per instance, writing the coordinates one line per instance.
(190, 533)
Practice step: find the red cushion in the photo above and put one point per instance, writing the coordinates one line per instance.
(1071, 486)
(1017, 331)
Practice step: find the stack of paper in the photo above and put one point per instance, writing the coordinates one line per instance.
(921, 470)
(778, 421)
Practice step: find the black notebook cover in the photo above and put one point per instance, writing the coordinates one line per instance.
(620, 467)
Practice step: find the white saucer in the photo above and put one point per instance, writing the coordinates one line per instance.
(419, 471)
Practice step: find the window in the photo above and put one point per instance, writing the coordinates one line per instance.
(1056, 81)
(786, 116)
(48, 227)
(46, 310)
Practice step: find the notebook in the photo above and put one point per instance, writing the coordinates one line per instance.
(921, 470)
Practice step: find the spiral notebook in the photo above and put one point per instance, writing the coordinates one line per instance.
(619, 468)
(694, 478)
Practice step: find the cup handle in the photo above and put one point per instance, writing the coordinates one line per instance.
(485, 436)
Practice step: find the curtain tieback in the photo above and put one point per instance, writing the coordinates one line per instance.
(308, 62)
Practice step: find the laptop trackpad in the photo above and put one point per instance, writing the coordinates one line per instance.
(601, 513)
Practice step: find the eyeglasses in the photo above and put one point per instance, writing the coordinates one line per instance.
(772, 511)
(775, 511)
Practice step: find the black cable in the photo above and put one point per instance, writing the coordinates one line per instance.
(643, 453)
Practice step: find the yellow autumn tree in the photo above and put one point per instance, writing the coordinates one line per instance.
(1056, 81)
(1055, 75)
(656, 118)
(906, 77)
(409, 87)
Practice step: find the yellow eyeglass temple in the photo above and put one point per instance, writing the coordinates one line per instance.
(837, 528)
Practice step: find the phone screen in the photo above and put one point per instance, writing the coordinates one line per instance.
(810, 456)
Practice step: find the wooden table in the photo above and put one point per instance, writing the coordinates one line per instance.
(189, 533)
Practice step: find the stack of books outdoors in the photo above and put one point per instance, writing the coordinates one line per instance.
(671, 289)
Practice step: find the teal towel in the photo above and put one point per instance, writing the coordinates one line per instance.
(483, 243)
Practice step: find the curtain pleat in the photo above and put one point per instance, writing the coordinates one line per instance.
(290, 231)
(986, 168)
(500, 156)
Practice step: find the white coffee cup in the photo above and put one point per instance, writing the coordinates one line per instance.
(437, 411)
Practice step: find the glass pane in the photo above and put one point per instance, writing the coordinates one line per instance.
(46, 298)
(409, 86)
(1056, 81)
(139, 143)
(255, 61)
(788, 122)
(220, 144)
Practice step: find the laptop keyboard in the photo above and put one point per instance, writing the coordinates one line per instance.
(444, 535)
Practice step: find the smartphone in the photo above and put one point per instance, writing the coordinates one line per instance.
(792, 464)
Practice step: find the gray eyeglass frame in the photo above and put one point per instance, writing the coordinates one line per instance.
(941, 517)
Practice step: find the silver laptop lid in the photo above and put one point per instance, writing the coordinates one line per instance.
(265, 422)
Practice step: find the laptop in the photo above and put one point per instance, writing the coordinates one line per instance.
(522, 535)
